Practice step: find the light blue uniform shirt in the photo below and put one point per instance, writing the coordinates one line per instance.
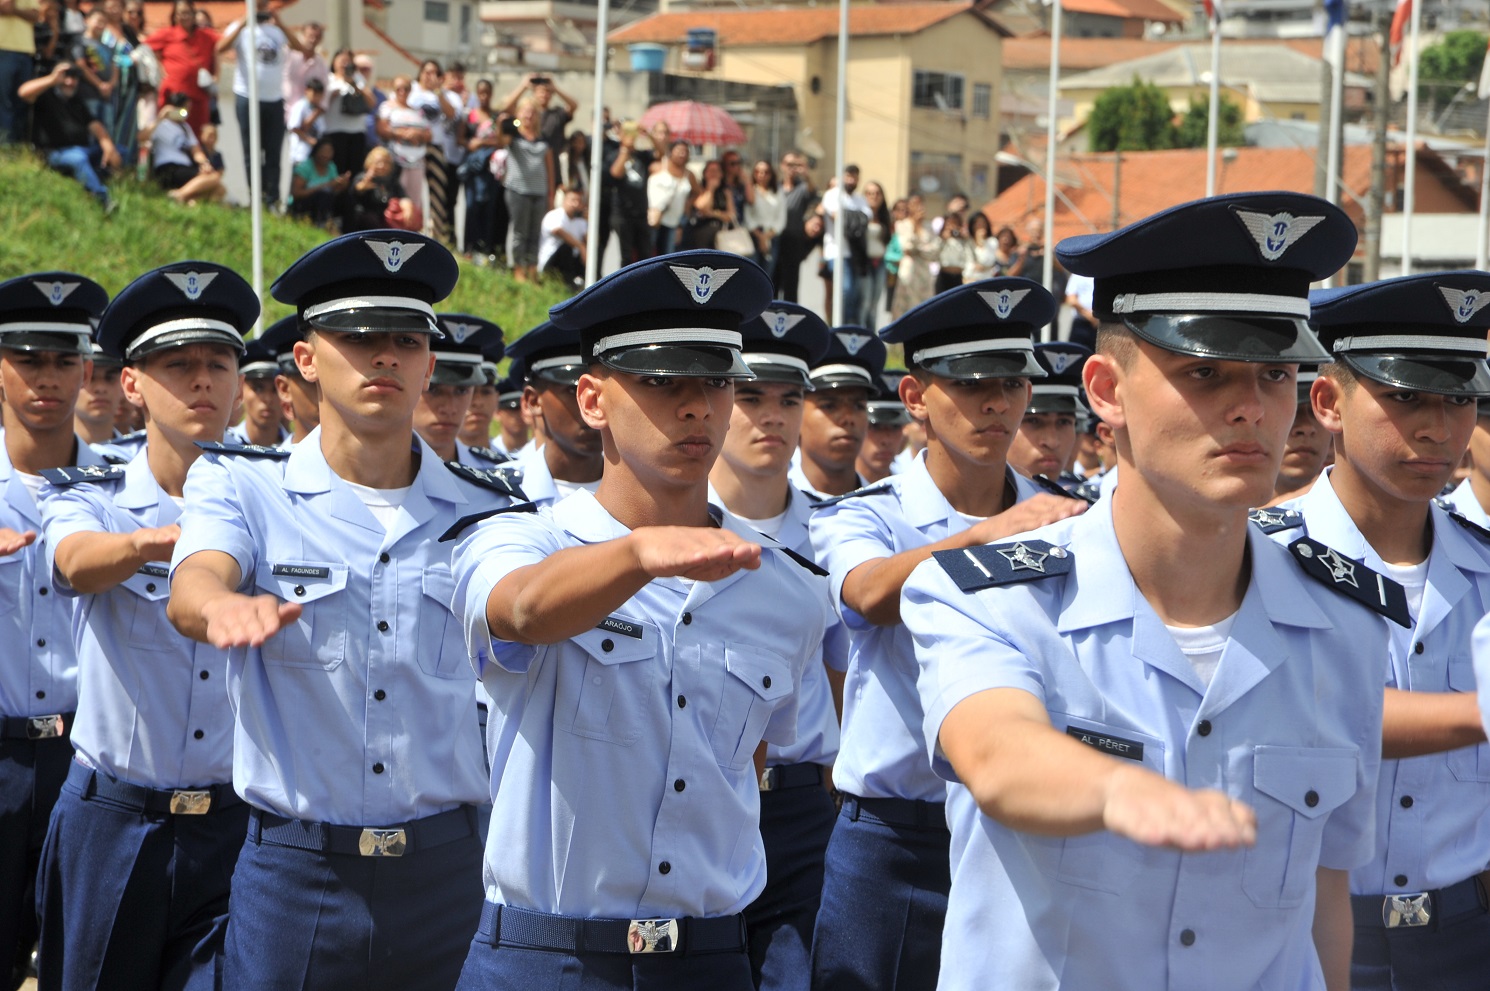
(537, 481)
(630, 746)
(1442, 836)
(1290, 724)
(145, 690)
(124, 446)
(1464, 502)
(40, 677)
(360, 712)
(882, 753)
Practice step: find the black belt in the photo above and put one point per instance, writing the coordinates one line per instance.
(780, 777)
(1422, 909)
(363, 841)
(176, 801)
(503, 925)
(35, 727)
(905, 812)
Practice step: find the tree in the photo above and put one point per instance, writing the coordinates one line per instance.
(1131, 118)
(1192, 130)
(1444, 68)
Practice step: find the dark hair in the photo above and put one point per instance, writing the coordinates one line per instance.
(178, 100)
(882, 213)
(431, 62)
(323, 140)
(675, 145)
(974, 217)
(771, 183)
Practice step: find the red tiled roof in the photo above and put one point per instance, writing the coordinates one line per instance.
(1081, 54)
(1147, 10)
(797, 25)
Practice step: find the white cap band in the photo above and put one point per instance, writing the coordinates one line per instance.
(555, 362)
(1210, 302)
(853, 371)
(259, 366)
(681, 335)
(457, 358)
(42, 327)
(367, 303)
(753, 358)
(1479, 347)
(160, 330)
(1055, 390)
(974, 347)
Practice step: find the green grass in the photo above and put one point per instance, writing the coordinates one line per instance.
(49, 222)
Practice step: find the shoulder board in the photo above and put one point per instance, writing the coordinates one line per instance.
(1442, 502)
(460, 525)
(989, 565)
(245, 450)
(1055, 488)
(876, 489)
(1090, 489)
(1352, 578)
(494, 478)
(113, 459)
(1276, 520)
(487, 454)
(130, 437)
(772, 544)
(84, 473)
(1470, 525)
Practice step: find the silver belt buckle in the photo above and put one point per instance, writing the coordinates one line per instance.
(44, 727)
(191, 803)
(1407, 911)
(652, 936)
(768, 779)
(382, 843)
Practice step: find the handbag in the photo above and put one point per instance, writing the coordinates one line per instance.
(736, 240)
(354, 103)
(147, 66)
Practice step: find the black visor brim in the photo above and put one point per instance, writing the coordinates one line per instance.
(691, 361)
(1229, 337)
(1439, 374)
(985, 365)
(377, 320)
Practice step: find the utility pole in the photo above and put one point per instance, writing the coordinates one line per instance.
(1376, 201)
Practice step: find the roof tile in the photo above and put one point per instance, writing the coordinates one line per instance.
(795, 26)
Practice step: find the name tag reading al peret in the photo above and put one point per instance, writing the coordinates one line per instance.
(1114, 745)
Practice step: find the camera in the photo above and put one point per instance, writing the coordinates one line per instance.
(541, 81)
(430, 112)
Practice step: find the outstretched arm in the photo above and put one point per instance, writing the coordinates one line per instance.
(205, 605)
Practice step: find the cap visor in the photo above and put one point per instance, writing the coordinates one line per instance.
(784, 374)
(986, 365)
(456, 374)
(376, 320)
(700, 361)
(560, 375)
(1444, 376)
(1231, 338)
(42, 341)
(888, 417)
(1056, 404)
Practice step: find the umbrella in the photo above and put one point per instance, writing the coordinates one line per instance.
(696, 123)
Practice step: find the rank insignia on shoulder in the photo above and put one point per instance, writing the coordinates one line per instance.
(1352, 578)
(487, 454)
(82, 473)
(1055, 488)
(460, 525)
(989, 565)
(129, 438)
(1276, 520)
(876, 489)
(1469, 524)
(245, 450)
(113, 459)
(494, 478)
(770, 543)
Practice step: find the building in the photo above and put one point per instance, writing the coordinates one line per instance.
(1094, 18)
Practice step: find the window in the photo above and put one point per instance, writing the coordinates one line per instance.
(436, 11)
(937, 90)
(465, 25)
(982, 100)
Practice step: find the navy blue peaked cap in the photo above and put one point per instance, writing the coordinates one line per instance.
(855, 358)
(784, 342)
(370, 282)
(280, 338)
(258, 360)
(462, 353)
(1060, 390)
(976, 330)
(886, 408)
(548, 352)
(190, 302)
(50, 311)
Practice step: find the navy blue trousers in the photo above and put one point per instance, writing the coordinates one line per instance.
(301, 919)
(884, 904)
(509, 968)
(31, 775)
(795, 825)
(1451, 957)
(130, 899)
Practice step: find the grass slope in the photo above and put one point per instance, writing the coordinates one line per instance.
(49, 222)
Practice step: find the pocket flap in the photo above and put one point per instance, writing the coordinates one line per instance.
(439, 584)
(1310, 780)
(1461, 673)
(153, 582)
(618, 640)
(767, 674)
(302, 581)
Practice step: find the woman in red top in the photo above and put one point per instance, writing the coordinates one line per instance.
(185, 51)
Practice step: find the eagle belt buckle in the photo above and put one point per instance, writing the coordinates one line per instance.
(44, 727)
(382, 843)
(1407, 911)
(652, 936)
(191, 803)
(768, 779)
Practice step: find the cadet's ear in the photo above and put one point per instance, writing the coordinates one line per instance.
(1101, 376)
(305, 352)
(1327, 395)
(129, 381)
(913, 395)
(587, 394)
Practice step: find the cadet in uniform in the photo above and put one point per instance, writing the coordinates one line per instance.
(45, 343)
(750, 480)
(263, 412)
(302, 397)
(639, 645)
(1046, 439)
(1162, 729)
(1470, 497)
(1308, 449)
(513, 436)
(1399, 399)
(476, 430)
(356, 741)
(837, 413)
(442, 408)
(885, 438)
(570, 459)
(98, 403)
(134, 878)
(971, 358)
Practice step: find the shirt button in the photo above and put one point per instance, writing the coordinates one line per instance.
(299, 589)
(383, 558)
(149, 586)
(42, 591)
(607, 645)
(766, 682)
(682, 702)
(1311, 798)
(1400, 880)
(198, 735)
(204, 675)
(679, 785)
(378, 768)
(687, 618)
(380, 695)
(1187, 937)
(664, 868)
(1405, 801)
(1417, 648)
(382, 626)
(41, 642)
(41, 695)
(1203, 727)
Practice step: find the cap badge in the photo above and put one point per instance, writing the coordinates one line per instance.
(1060, 361)
(780, 323)
(1276, 233)
(393, 254)
(56, 292)
(1004, 301)
(853, 343)
(1464, 302)
(1341, 569)
(702, 283)
(460, 331)
(191, 284)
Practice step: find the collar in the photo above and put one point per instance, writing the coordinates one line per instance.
(307, 472)
(140, 489)
(583, 518)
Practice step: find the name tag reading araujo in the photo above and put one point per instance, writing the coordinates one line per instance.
(1116, 746)
(300, 571)
(614, 624)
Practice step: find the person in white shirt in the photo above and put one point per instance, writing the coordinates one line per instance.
(307, 121)
(561, 244)
(272, 45)
(302, 66)
(847, 196)
(765, 214)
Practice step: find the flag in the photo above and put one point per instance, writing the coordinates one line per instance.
(1484, 92)
(1400, 19)
(1334, 11)
(1213, 9)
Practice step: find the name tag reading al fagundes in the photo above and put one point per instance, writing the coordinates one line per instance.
(300, 571)
(1114, 745)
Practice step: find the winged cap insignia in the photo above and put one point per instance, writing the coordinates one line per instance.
(56, 292)
(1464, 302)
(1004, 301)
(1277, 232)
(1060, 361)
(460, 331)
(780, 323)
(853, 343)
(702, 283)
(191, 284)
(393, 254)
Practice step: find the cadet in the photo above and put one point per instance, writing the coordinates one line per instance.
(475, 431)
(356, 741)
(263, 412)
(442, 408)
(1163, 730)
(513, 436)
(570, 458)
(750, 480)
(134, 878)
(885, 438)
(639, 645)
(837, 413)
(98, 404)
(302, 397)
(971, 359)
(1046, 440)
(45, 345)
(1399, 399)
(1308, 449)
(1471, 496)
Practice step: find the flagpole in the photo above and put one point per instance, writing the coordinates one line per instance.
(1482, 246)
(840, 151)
(1212, 130)
(255, 153)
(1047, 275)
(1410, 170)
(1337, 41)
(593, 248)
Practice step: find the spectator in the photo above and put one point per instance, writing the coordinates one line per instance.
(876, 242)
(484, 191)
(376, 199)
(407, 132)
(954, 253)
(893, 253)
(209, 81)
(957, 204)
(1034, 257)
(765, 214)
(713, 207)
(530, 187)
(851, 201)
(46, 35)
(919, 246)
(562, 247)
(661, 136)
(670, 189)
(455, 82)
(982, 259)
(307, 121)
(577, 163)
(127, 46)
(349, 101)
(208, 140)
(741, 189)
(63, 128)
(187, 56)
(316, 187)
(1008, 259)
(366, 68)
(627, 170)
(305, 63)
(97, 70)
(269, 61)
(552, 121)
(1079, 291)
(443, 154)
(182, 167)
(134, 17)
(795, 242)
(72, 25)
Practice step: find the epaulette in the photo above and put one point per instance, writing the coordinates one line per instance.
(1056, 488)
(460, 525)
(487, 454)
(1352, 578)
(246, 450)
(495, 479)
(988, 565)
(806, 562)
(129, 438)
(81, 473)
(1442, 502)
(1090, 490)
(113, 459)
(875, 489)
(1276, 520)
(1470, 525)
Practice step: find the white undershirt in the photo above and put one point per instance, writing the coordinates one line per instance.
(382, 503)
(1413, 578)
(569, 488)
(180, 501)
(33, 485)
(971, 520)
(1203, 645)
(771, 526)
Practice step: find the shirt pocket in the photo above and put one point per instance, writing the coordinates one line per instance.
(755, 682)
(150, 587)
(1466, 763)
(611, 700)
(318, 639)
(1294, 791)
(441, 648)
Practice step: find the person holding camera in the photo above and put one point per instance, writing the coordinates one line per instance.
(187, 56)
(180, 165)
(954, 254)
(406, 131)
(268, 59)
(552, 121)
(349, 100)
(530, 187)
(71, 139)
(627, 169)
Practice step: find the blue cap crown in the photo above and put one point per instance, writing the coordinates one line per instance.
(190, 302)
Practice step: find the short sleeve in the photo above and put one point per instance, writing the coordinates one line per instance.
(846, 535)
(495, 548)
(214, 519)
(1481, 649)
(69, 510)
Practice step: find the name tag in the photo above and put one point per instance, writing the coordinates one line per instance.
(154, 570)
(300, 571)
(1113, 745)
(614, 624)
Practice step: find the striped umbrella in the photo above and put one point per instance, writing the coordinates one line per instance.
(696, 123)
